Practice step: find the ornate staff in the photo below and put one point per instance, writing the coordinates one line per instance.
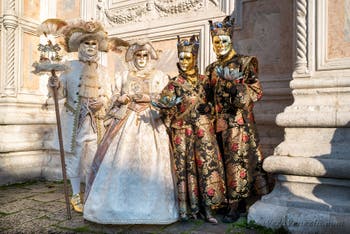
(50, 62)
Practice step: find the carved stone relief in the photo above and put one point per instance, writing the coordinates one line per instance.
(150, 10)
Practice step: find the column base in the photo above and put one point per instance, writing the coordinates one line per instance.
(305, 205)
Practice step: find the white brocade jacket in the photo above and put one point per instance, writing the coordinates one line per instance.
(70, 83)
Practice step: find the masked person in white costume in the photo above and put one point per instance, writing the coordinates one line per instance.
(131, 179)
(86, 87)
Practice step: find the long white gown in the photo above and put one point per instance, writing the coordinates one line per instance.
(134, 182)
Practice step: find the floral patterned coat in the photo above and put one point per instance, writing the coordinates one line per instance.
(234, 98)
(198, 163)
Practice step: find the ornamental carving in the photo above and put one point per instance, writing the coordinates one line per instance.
(167, 7)
(151, 10)
(132, 14)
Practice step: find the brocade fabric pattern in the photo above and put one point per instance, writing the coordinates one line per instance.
(198, 163)
(240, 141)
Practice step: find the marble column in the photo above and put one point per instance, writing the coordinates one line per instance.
(312, 193)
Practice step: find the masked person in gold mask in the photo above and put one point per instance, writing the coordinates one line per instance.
(235, 87)
(187, 113)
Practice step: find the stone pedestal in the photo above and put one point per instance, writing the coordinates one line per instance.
(312, 193)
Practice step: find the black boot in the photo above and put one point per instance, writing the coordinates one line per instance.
(233, 213)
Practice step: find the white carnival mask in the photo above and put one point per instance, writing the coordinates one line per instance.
(141, 59)
(222, 44)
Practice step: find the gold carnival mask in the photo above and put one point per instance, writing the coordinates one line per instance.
(187, 53)
(186, 61)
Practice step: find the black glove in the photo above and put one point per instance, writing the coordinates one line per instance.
(259, 167)
(203, 108)
(231, 89)
(209, 93)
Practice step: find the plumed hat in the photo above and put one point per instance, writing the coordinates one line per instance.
(77, 31)
(140, 45)
(185, 45)
(222, 28)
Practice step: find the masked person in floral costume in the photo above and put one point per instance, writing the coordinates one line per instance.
(198, 165)
(235, 86)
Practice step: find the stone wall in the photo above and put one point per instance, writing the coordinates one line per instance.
(266, 31)
(23, 122)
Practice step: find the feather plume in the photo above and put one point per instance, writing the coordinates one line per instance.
(51, 26)
(116, 44)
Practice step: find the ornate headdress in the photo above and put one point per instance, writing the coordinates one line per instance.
(76, 31)
(222, 28)
(140, 45)
(185, 45)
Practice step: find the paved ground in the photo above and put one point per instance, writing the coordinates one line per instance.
(39, 207)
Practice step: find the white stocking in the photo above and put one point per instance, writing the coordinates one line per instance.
(75, 182)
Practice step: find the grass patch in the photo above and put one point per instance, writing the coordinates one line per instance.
(3, 214)
(20, 184)
(243, 223)
(197, 222)
(82, 229)
(30, 182)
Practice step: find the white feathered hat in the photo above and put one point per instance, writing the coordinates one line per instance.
(78, 30)
(74, 32)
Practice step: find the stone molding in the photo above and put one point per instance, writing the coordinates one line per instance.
(303, 166)
(323, 63)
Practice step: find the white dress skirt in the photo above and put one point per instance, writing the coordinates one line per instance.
(134, 182)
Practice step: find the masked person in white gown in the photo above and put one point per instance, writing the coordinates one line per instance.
(131, 180)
